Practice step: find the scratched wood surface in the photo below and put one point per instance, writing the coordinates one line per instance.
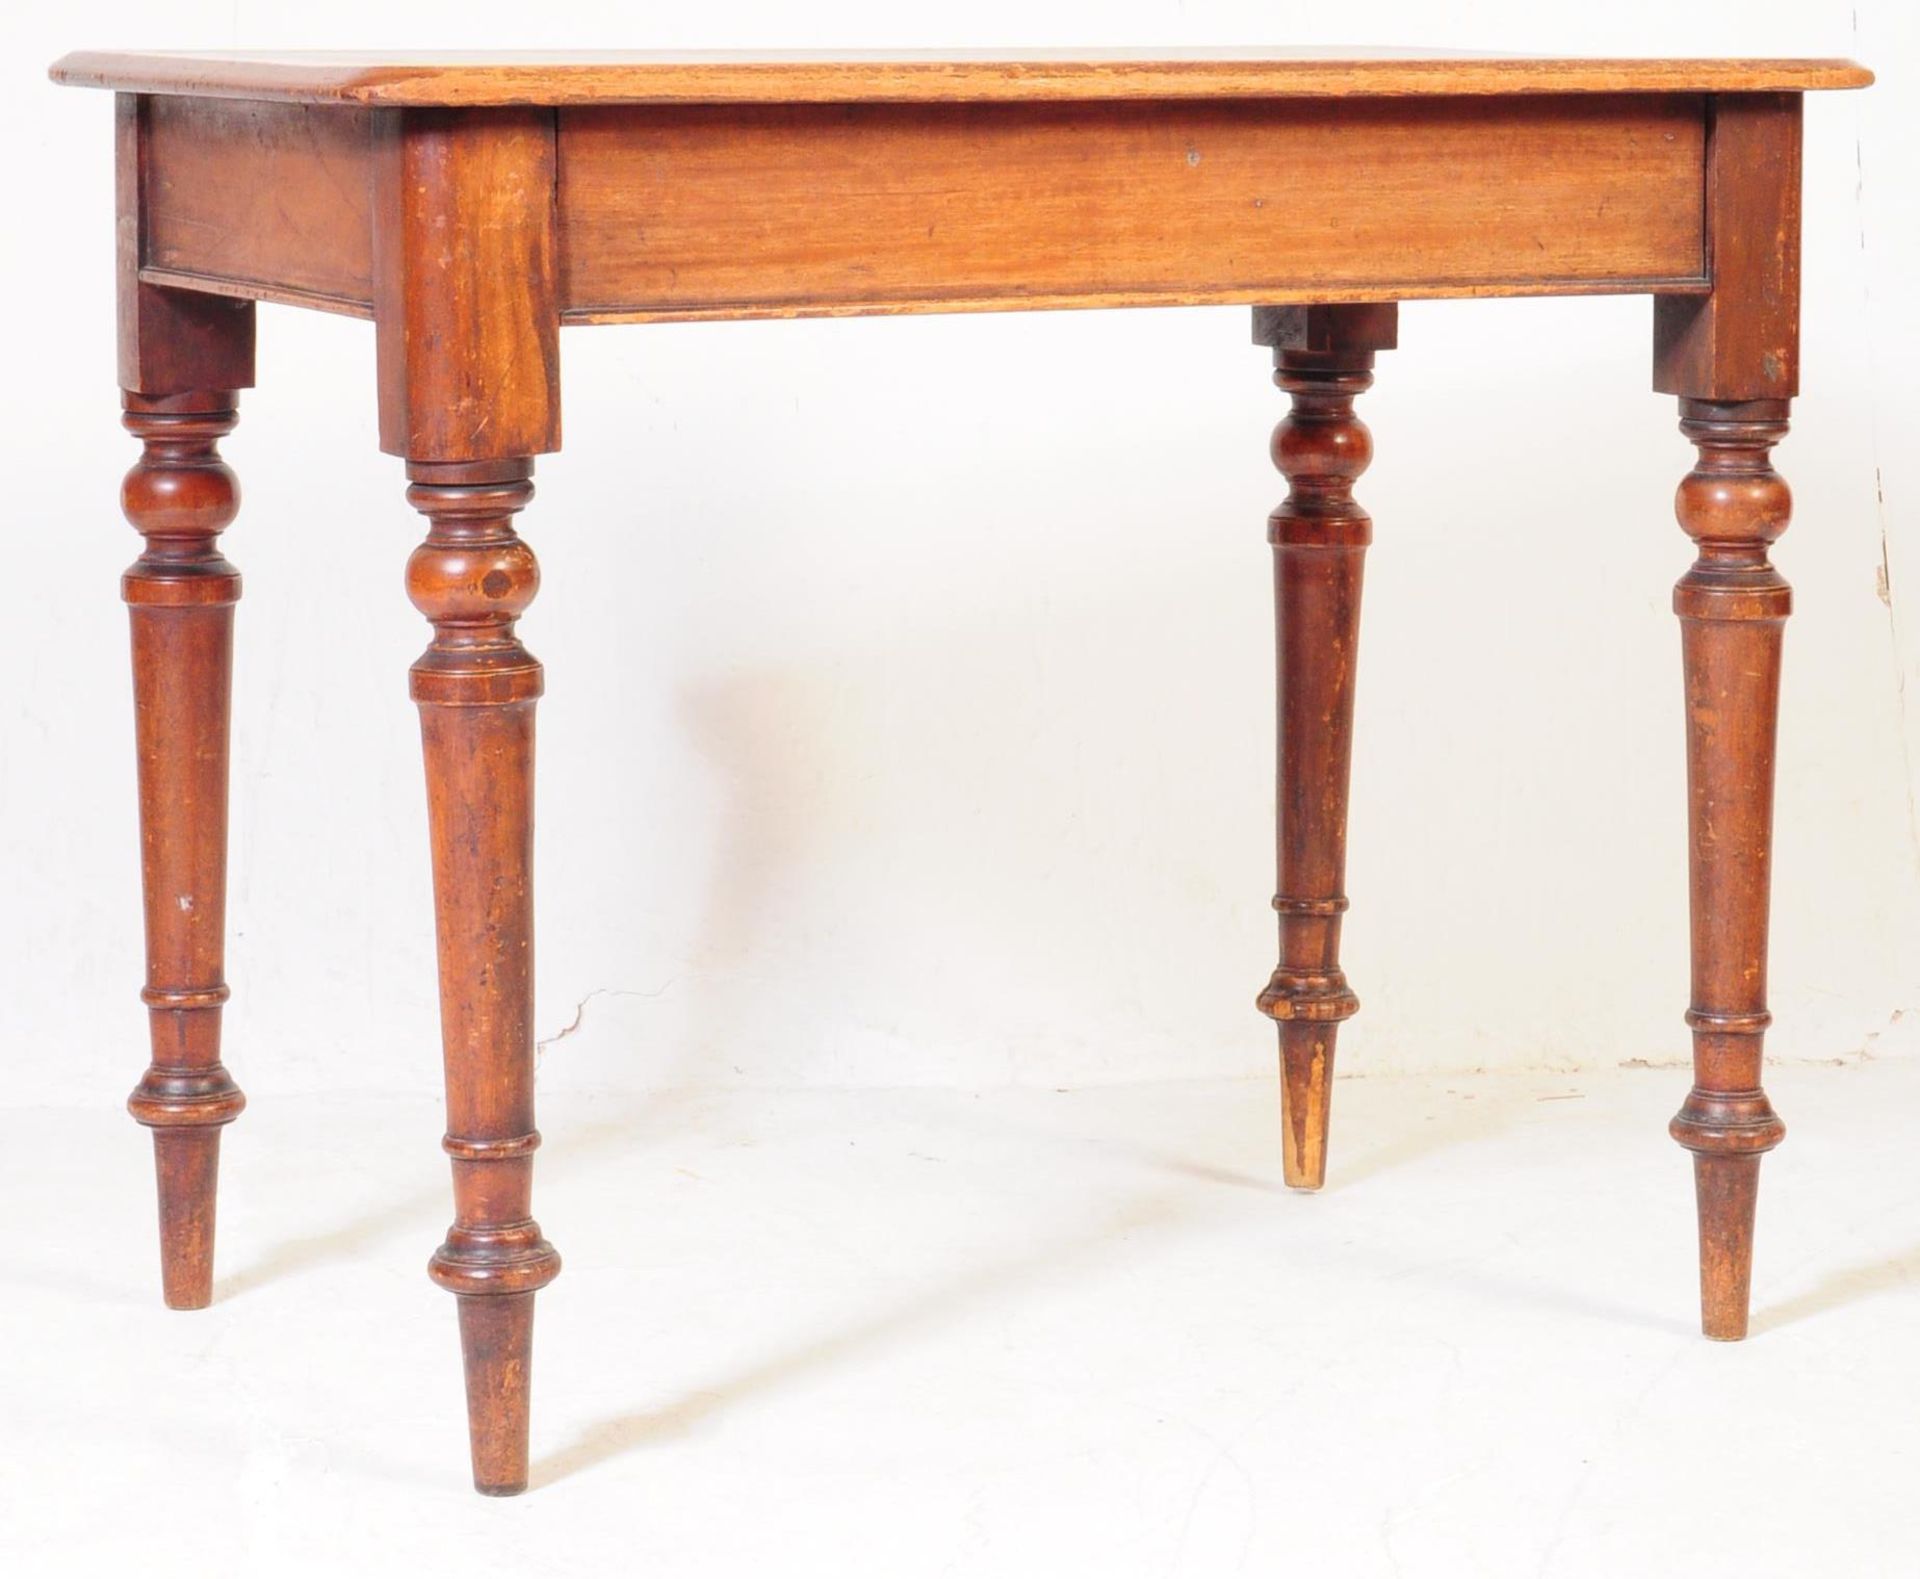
(800, 77)
(271, 196)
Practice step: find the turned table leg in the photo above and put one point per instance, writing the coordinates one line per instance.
(1732, 356)
(183, 357)
(1323, 357)
(467, 330)
(180, 595)
(1733, 607)
(476, 687)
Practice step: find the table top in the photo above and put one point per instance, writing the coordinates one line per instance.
(665, 77)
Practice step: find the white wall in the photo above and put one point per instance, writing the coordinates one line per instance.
(909, 712)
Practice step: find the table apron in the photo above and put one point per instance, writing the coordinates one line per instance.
(732, 211)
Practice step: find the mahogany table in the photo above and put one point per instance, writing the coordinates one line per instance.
(471, 206)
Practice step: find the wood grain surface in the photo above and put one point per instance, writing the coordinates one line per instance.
(270, 196)
(800, 77)
(718, 211)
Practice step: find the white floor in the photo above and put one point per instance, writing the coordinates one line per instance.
(913, 1333)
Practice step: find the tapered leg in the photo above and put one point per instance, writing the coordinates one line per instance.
(1733, 607)
(466, 331)
(181, 594)
(476, 687)
(1323, 357)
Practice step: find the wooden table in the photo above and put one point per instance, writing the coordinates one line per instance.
(471, 206)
